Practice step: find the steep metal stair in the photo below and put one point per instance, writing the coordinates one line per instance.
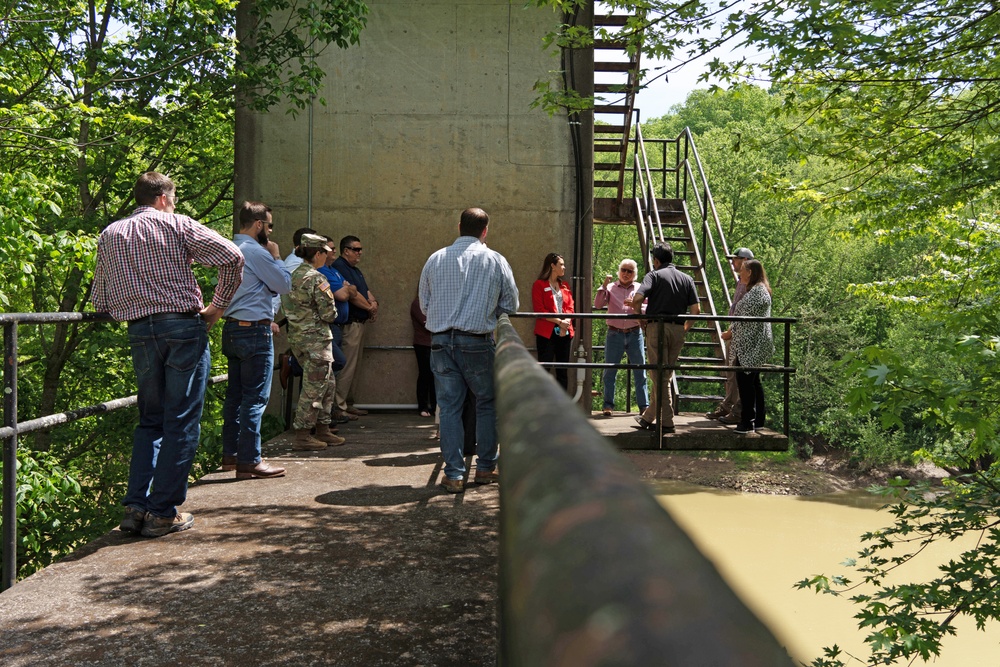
(616, 80)
(664, 213)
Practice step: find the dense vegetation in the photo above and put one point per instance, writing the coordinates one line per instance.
(91, 95)
(877, 151)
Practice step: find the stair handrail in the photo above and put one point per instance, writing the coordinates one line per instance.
(706, 205)
(645, 177)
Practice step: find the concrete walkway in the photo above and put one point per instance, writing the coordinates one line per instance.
(356, 557)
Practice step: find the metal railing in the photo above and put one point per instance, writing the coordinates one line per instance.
(690, 182)
(590, 564)
(12, 428)
(786, 369)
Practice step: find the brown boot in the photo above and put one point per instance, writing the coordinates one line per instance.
(324, 433)
(305, 442)
(262, 470)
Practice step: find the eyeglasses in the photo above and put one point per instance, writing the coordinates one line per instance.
(627, 270)
(358, 249)
(172, 198)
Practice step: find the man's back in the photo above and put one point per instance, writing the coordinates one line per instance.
(466, 286)
(668, 291)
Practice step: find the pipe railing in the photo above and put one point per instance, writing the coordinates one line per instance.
(592, 569)
(786, 369)
(12, 428)
(688, 172)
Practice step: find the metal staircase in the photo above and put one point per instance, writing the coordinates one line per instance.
(677, 207)
(659, 186)
(616, 81)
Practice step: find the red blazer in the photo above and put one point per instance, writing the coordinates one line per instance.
(542, 301)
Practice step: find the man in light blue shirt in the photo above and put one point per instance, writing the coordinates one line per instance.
(246, 342)
(463, 289)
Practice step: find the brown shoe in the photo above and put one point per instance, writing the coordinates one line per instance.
(487, 477)
(261, 470)
(358, 412)
(158, 526)
(228, 463)
(305, 442)
(716, 414)
(452, 485)
(326, 434)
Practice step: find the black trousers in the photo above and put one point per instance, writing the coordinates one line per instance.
(426, 398)
(752, 397)
(556, 348)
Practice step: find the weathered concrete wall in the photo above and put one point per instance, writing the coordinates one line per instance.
(430, 114)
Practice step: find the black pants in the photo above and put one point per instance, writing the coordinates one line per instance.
(752, 398)
(426, 399)
(556, 348)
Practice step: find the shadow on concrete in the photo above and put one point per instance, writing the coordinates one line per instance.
(338, 563)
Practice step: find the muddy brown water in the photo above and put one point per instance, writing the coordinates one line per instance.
(763, 544)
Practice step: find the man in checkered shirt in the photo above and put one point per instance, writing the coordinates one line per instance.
(144, 277)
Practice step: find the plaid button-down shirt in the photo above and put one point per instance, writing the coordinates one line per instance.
(144, 265)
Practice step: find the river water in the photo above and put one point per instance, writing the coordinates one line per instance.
(763, 544)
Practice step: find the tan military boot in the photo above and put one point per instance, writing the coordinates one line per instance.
(324, 433)
(305, 442)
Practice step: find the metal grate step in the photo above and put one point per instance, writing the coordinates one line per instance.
(698, 397)
(700, 378)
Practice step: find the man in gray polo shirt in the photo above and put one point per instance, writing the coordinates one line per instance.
(669, 292)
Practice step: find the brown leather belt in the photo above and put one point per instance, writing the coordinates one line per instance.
(625, 331)
(244, 323)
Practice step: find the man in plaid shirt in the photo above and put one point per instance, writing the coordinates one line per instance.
(144, 277)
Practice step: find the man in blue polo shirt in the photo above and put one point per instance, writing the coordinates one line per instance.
(246, 342)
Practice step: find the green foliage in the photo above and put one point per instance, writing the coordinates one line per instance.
(91, 95)
(909, 619)
(56, 512)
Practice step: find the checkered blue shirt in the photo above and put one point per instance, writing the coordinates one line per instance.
(466, 286)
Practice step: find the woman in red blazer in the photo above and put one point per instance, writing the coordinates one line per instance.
(551, 294)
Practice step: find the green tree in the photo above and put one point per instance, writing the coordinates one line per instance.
(91, 95)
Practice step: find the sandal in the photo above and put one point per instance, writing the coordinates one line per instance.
(425, 413)
(607, 412)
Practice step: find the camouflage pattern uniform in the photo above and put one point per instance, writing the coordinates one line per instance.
(310, 308)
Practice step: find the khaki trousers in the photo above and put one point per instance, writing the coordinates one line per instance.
(731, 403)
(662, 397)
(352, 347)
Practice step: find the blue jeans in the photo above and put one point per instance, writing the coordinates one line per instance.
(464, 363)
(171, 362)
(631, 345)
(251, 362)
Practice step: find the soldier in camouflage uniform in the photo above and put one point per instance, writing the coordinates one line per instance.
(310, 308)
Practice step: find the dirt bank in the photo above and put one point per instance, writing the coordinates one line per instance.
(817, 475)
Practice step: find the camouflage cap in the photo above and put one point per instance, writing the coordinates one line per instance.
(314, 241)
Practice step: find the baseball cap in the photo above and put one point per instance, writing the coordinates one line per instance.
(314, 241)
(742, 253)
